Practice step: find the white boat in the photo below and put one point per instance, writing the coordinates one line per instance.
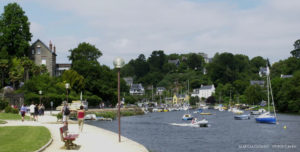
(187, 117)
(258, 112)
(201, 123)
(242, 117)
(237, 111)
(90, 117)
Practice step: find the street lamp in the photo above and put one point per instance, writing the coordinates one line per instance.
(119, 63)
(67, 87)
(40, 92)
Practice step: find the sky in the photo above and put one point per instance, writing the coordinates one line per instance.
(128, 28)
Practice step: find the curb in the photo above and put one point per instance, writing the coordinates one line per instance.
(45, 146)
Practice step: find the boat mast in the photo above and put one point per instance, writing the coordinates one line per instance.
(272, 97)
(268, 88)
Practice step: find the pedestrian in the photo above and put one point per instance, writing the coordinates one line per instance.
(40, 109)
(36, 112)
(23, 111)
(43, 109)
(65, 112)
(31, 110)
(80, 117)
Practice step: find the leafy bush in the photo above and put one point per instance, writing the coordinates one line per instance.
(9, 109)
(93, 100)
(59, 116)
(3, 104)
(107, 114)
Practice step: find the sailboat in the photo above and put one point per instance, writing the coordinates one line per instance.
(187, 116)
(267, 117)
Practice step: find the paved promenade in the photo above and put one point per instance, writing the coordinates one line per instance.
(91, 139)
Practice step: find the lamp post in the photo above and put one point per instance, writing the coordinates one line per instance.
(119, 63)
(67, 87)
(40, 92)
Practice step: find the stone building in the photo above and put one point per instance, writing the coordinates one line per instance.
(41, 54)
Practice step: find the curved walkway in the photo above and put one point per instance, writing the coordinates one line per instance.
(92, 139)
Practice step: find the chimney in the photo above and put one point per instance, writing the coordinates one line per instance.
(50, 45)
(54, 49)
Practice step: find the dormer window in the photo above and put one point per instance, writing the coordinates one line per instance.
(38, 49)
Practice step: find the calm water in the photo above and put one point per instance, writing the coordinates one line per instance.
(155, 132)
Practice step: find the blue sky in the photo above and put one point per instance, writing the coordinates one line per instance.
(127, 28)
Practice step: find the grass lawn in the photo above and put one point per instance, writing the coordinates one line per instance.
(2, 122)
(23, 138)
(12, 116)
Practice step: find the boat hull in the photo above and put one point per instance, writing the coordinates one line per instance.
(187, 118)
(242, 117)
(271, 120)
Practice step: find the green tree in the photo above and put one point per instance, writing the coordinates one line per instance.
(16, 71)
(3, 68)
(254, 94)
(195, 61)
(156, 60)
(27, 65)
(14, 30)
(76, 80)
(84, 51)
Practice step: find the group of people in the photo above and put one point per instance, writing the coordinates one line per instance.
(66, 113)
(36, 110)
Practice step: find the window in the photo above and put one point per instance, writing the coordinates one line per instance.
(38, 50)
(32, 51)
(44, 61)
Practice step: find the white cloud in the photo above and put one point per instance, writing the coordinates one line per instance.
(128, 28)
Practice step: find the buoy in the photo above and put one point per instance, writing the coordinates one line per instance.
(284, 127)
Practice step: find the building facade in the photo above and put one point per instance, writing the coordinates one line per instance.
(41, 54)
(137, 89)
(204, 91)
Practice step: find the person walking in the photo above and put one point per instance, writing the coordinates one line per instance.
(80, 117)
(65, 112)
(23, 111)
(31, 110)
(36, 112)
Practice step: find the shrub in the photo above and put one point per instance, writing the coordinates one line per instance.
(3, 104)
(9, 109)
(107, 114)
(59, 116)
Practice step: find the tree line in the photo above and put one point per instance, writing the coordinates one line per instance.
(178, 73)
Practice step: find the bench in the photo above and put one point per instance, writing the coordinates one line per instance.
(67, 138)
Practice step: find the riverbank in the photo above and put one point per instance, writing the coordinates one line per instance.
(92, 139)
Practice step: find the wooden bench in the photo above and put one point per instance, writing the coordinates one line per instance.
(67, 138)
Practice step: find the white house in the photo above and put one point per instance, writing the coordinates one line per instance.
(137, 89)
(204, 91)
(160, 90)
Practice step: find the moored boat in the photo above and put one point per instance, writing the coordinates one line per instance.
(187, 117)
(266, 118)
(242, 117)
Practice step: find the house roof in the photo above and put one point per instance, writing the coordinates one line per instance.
(259, 82)
(136, 86)
(207, 87)
(174, 61)
(38, 40)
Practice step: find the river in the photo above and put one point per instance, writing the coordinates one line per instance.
(156, 132)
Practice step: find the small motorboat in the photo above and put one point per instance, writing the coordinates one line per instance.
(201, 123)
(242, 117)
(90, 117)
(205, 113)
(260, 111)
(187, 117)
